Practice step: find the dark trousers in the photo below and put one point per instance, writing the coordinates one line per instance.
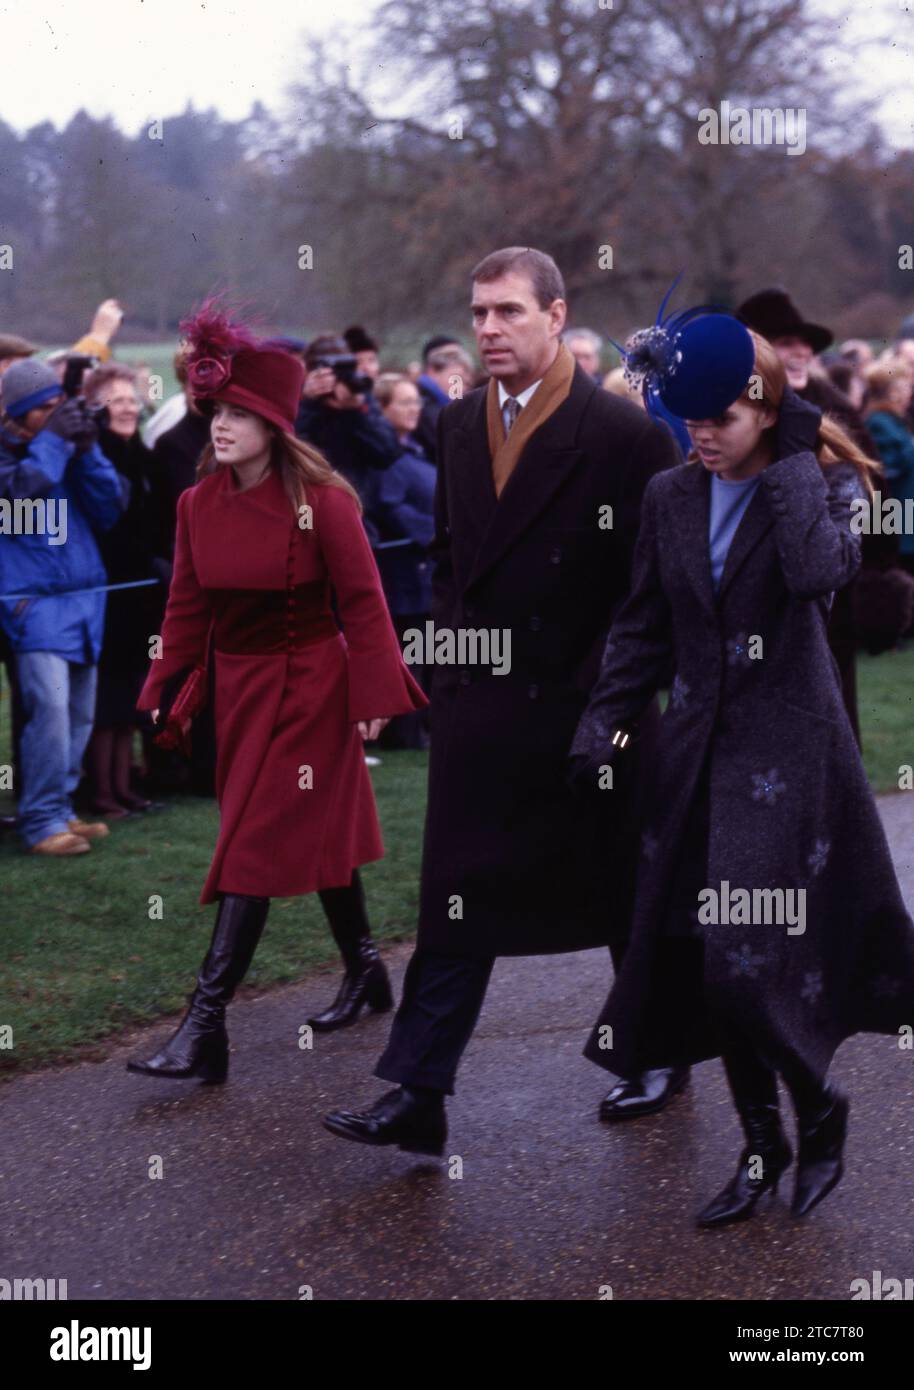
(442, 999)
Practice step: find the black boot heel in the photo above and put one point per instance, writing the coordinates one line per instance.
(366, 984)
(738, 1199)
(379, 995)
(214, 1063)
(194, 1053)
(820, 1161)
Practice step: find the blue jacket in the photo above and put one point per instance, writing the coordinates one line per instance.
(895, 443)
(59, 620)
(400, 506)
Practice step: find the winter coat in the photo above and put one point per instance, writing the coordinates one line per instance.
(401, 507)
(60, 619)
(297, 810)
(764, 729)
(514, 863)
(895, 443)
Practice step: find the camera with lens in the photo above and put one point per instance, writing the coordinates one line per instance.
(75, 370)
(344, 366)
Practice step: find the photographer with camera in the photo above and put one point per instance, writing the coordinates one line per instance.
(49, 456)
(340, 417)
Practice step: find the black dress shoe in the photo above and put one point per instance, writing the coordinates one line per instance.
(820, 1160)
(366, 985)
(413, 1120)
(644, 1094)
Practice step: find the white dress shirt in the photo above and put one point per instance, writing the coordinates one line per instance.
(521, 399)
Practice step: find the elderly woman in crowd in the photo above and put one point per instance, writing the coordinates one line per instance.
(134, 549)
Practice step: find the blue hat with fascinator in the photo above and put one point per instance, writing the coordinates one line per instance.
(691, 365)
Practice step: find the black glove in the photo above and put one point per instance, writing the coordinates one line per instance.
(798, 425)
(67, 420)
(584, 771)
(87, 435)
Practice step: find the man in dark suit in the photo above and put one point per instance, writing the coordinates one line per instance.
(538, 498)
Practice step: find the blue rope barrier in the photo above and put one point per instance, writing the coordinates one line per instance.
(68, 593)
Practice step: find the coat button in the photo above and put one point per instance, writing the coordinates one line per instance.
(555, 555)
(533, 691)
(535, 623)
(469, 612)
(465, 678)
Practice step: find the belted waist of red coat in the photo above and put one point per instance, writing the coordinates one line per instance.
(262, 622)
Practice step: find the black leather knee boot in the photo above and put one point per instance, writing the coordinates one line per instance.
(199, 1048)
(821, 1112)
(365, 982)
(767, 1153)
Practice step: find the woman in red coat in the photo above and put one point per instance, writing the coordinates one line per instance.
(262, 542)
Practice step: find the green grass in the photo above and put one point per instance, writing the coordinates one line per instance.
(885, 699)
(82, 960)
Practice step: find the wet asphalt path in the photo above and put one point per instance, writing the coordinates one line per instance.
(257, 1201)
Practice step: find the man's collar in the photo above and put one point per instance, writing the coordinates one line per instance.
(522, 398)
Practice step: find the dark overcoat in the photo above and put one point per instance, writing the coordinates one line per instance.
(513, 863)
(790, 806)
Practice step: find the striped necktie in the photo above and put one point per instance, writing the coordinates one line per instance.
(510, 411)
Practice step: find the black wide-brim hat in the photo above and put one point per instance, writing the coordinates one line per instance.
(774, 314)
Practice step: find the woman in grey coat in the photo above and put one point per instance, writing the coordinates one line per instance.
(768, 925)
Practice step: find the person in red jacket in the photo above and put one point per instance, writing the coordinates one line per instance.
(262, 540)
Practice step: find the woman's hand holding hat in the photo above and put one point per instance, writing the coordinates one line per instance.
(798, 425)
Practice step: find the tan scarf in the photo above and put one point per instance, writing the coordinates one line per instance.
(546, 399)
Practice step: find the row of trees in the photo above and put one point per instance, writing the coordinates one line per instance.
(569, 124)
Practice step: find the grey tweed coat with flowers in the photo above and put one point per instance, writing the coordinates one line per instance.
(789, 803)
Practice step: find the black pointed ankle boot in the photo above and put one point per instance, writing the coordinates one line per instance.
(766, 1154)
(199, 1048)
(365, 982)
(413, 1118)
(820, 1161)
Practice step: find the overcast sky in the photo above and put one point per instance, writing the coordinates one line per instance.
(140, 59)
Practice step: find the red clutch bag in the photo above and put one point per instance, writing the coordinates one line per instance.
(187, 704)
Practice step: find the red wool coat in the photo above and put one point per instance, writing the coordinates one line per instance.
(290, 687)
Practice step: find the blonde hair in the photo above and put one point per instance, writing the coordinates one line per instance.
(105, 375)
(833, 443)
(881, 376)
(386, 385)
(614, 382)
(299, 465)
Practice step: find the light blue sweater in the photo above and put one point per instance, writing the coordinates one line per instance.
(728, 503)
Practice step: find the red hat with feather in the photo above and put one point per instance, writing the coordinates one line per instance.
(227, 362)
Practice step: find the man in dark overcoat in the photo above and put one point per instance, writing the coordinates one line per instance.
(541, 475)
